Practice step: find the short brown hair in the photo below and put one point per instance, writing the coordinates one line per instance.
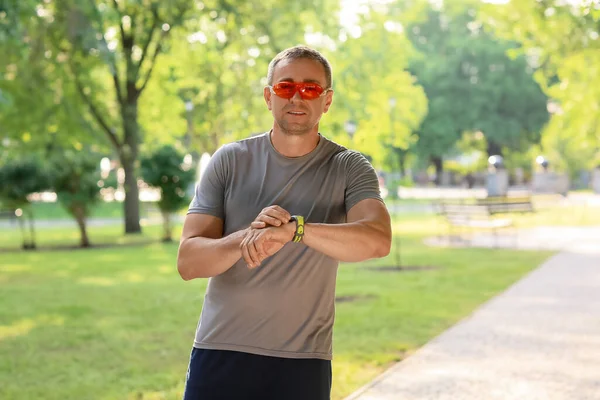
(299, 52)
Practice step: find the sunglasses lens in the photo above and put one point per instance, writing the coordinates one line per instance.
(285, 90)
(310, 91)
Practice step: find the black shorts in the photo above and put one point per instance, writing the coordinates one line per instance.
(232, 375)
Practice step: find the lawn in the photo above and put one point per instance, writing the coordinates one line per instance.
(102, 209)
(118, 322)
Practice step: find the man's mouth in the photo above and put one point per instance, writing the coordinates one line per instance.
(296, 112)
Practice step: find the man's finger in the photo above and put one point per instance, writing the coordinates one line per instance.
(279, 213)
(252, 252)
(255, 253)
(245, 254)
(269, 219)
(258, 225)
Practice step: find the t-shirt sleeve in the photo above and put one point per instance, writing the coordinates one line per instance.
(209, 196)
(361, 181)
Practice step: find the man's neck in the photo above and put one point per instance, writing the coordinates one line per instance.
(291, 145)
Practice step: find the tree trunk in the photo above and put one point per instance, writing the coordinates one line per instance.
(79, 215)
(131, 204)
(439, 169)
(402, 162)
(24, 242)
(167, 237)
(128, 156)
(401, 154)
(31, 228)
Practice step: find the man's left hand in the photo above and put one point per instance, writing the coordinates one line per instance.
(260, 244)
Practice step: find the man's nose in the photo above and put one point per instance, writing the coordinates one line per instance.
(296, 96)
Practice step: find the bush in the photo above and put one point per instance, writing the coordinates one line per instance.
(75, 177)
(20, 178)
(164, 170)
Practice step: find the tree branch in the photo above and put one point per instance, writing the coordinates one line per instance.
(121, 28)
(176, 21)
(152, 63)
(111, 135)
(155, 22)
(112, 63)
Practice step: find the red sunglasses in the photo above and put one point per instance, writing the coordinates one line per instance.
(307, 90)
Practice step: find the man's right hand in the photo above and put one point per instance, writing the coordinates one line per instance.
(271, 216)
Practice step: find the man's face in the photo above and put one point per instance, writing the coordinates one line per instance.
(297, 116)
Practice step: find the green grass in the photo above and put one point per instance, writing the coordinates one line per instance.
(118, 322)
(102, 209)
(54, 238)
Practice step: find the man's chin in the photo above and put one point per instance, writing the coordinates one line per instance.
(295, 129)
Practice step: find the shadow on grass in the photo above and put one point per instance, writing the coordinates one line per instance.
(63, 247)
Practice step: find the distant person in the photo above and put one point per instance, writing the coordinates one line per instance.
(271, 218)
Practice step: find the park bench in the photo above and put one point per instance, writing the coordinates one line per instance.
(503, 205)
(480, 214)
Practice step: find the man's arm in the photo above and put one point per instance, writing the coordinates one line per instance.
(203, 251)
(367, 234)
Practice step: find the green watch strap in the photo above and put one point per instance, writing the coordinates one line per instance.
(299, 234)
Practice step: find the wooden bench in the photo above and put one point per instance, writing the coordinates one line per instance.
(503, 205)
(473, 216)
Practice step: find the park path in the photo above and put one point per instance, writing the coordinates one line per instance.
(539, 340)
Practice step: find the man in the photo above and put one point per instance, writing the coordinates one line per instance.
(272, 217)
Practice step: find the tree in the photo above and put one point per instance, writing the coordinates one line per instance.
(563, 39)
(377, 102)
(472, 85)
(224, 66)
(102, 41)
(20, 178)
(165, 170)
(115, 73)
(75, 178)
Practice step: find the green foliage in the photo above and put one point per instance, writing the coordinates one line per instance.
(75, 177)
(226, 55)
(21, 177)
(164, 169)
(374, 91)
(471, 83)
(562, 38)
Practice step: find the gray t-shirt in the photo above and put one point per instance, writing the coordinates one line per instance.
(285, 307)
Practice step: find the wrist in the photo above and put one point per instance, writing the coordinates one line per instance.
(290, 229)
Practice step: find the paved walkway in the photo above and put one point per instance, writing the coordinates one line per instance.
(563, 238)
(539, 340)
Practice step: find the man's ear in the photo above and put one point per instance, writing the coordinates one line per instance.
(267, 94)
(328, 101)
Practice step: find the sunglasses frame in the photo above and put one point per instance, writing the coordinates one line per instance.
(299, 91)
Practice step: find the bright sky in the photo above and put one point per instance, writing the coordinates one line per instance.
(349, 8)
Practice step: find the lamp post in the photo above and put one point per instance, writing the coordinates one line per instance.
(542, 162)
(497, 178)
